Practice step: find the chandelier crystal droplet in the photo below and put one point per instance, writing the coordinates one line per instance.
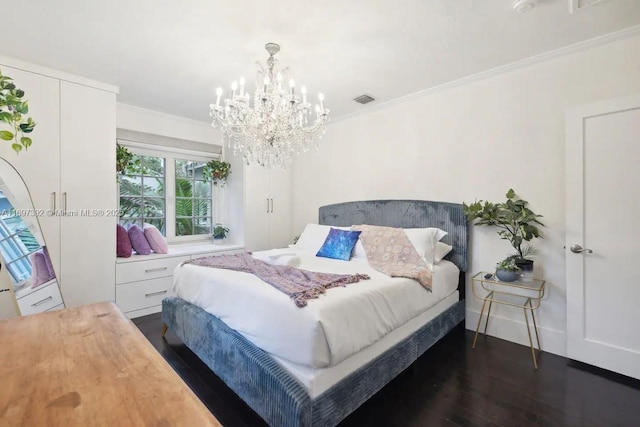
(277, 125)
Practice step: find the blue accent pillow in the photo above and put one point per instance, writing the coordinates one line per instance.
(339, 244)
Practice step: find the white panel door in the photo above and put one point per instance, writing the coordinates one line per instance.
(40, 165)
(280, 212)
(257, 207)
(603, 178)
(88, 185)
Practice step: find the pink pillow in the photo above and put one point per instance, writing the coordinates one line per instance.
(123, 243)
(138, 241)
(155, 239)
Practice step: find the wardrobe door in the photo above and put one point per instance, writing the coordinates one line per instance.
(280, 213)
(88, 185)
(39, 166)
(257, 208)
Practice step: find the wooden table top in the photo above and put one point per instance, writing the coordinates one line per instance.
(89, 366)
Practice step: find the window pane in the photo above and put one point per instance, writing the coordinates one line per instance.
(27, 240)
(202, 226)
(153, 166)
(131, 206)
(184, 169)
(14, 224)
(203, 189)
(153, 186)
(193, 199)
(184, 207)
(202, 207)
(184, 226)
(184, 187)
(142, 193)
(130, 185)
(153, 208)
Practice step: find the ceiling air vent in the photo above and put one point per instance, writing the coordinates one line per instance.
(364, 99)
(576, 5)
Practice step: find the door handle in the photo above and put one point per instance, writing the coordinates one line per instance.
(64, 201)
(267, 205)
(53, 199)
(577, 249)
(271, 205)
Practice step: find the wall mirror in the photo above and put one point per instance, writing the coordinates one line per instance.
(32, 280)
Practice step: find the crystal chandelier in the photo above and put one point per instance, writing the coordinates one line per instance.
(277, 125)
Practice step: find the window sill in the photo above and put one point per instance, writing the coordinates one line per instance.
(183, 249)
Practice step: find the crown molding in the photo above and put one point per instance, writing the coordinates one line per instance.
(574, 48)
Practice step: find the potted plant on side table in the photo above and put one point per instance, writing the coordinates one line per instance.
(219, 234)
(517, 223)
(507, 270)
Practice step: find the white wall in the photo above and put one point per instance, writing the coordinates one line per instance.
(154, 122)
(469, 142)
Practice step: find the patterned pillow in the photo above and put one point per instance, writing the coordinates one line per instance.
(339, 244)
(155, 239)
(138, 241)
(123, 243)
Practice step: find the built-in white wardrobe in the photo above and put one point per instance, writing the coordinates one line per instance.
(267, 206)
(70, 173)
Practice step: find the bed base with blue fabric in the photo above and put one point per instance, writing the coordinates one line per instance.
(269, 389)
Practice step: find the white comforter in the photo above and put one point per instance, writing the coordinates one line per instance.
(329, 329)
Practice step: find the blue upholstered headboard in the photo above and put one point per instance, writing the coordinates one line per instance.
(406, 214)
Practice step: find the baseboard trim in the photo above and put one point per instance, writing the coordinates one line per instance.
(552, 340)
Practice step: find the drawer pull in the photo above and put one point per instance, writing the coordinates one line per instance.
(35, 304)
(151, 270)
(150, 294)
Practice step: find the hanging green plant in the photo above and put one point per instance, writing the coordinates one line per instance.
(13, 111)
(217, 171)
(123, 158)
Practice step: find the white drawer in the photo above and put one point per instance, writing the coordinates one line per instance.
(41, 300)
(144, 270)
(147, 293)
(235, 251)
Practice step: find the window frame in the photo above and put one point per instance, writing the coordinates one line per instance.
(170, 155)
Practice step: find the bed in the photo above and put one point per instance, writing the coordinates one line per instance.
(322, 379)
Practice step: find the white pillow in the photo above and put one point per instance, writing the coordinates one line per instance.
(313, 237)
(441, 251)
(424, 240)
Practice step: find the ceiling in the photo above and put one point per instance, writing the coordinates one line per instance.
(171, 55)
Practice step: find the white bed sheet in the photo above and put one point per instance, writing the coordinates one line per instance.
(329, 329)
(318, 380)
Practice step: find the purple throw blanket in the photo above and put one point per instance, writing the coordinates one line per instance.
(300, 285)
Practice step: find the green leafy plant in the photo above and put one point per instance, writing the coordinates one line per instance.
(508, 264)
(217, 171)
(220, 231)
(13, 111)
(517, 223)
(124, 159)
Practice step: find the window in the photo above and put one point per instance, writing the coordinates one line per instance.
(166, 189)
(193, 199)
(142, 193)
(16, 243)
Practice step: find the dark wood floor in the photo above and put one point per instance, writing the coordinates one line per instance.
(450, 385)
